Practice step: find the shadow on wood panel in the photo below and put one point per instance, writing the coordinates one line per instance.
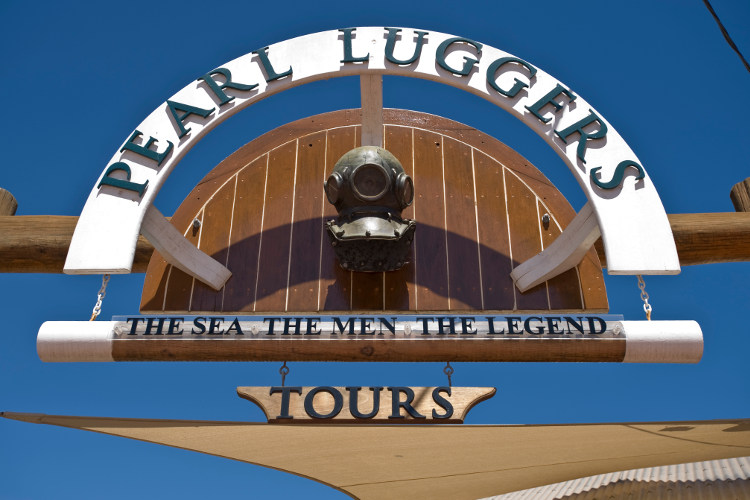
(396, 292)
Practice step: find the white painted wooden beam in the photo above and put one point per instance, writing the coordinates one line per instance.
(371, 87)
(179, 252)
(63, 341)
(662, 341)
(564, 253)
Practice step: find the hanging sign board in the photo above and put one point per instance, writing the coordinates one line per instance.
(372, 337)
(363, 405)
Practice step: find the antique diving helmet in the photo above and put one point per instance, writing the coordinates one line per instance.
(369, 188)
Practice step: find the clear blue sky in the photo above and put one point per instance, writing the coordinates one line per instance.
(78, 77)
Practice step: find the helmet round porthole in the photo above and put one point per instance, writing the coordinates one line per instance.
(404, 190)
(333, 187)
(370, 182)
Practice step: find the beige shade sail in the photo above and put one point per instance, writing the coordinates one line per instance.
(435, 462)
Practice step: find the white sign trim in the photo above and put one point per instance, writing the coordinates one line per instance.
(635, 229)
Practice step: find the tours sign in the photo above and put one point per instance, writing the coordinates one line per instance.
(366, 405)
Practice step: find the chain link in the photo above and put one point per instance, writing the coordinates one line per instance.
(644, 297)
(284, 371)
(100, 297)
(448, 370)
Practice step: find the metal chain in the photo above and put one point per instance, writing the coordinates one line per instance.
(102, 292)
(284, 371)
(644, 297)
(448, 370)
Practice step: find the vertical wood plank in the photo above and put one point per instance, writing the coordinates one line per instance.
(215, 242)
(564, 289)
(274, 250)
(400, 290)
(308, 222)
(239, 292)
(152, 296)
(180, 284)
(526, 239)
(367, 288)
(592, 283)
(429, 239)
(367, 291)
(335, 282)
(461, 224)
(494, 247)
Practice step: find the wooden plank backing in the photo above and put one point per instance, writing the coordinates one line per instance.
(367, 288)
(494, 239)
(477, 206)
(335, 282)
(239, 292)
(464, 276)
(215, 242)
(524, 227)
(273, 267)
(400, 290)
(564, 290)
(304, 264)
(179, 286)
(430, 244)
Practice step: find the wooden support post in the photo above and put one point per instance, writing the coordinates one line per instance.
(8, 203)
(564, 253)
(740, 196)
(39, 244)
(706, 238)
(182, 254)
(371, 87)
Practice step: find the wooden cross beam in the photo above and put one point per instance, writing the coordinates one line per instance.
(39, 243)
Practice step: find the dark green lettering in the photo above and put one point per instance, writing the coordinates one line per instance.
(578, 127)
(469, 62)
(218, 90)
(146, 150)
(348, 57)
(271, 73)
(516, 88)
(175, 106)
(391, 43)
(550, 99)
(618, 176)
(120, 183)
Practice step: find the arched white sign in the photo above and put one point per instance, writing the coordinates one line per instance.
(636, 233)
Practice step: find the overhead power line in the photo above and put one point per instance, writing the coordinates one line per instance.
(726, 34)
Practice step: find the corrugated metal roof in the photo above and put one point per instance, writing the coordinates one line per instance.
(715, 479)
